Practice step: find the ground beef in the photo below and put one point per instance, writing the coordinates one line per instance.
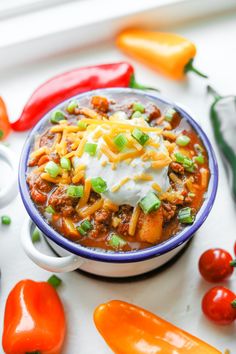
(102, 222)
(124, 214)
(177, 168)
(100, 104)
(62, 203)
(169, 211)
(46, 139)
(55, 157)
(152, 111)
(35, 181)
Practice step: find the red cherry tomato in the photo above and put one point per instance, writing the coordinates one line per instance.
(215, 265)
(217, 305)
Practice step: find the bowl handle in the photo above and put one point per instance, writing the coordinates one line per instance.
(10, 190)
(50, 263)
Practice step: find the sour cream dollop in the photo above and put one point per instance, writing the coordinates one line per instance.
(133, 190)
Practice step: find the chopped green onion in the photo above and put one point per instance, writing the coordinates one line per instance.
(65, 163)
(138, 107)
(116, 241)
(1, 134)
(138, 135)
(75, 191)
(54, 281)
(120, 141)
(71, 106)
(191, 194)
(90, 148)
(182, 140)
(185, 216)
(198, 148)
(86, 225)
(169, 115)
(50, 210)
(187, 163)
(81, 231)
(199, 159)
(6, 220)
(136, 114)
(82, 125)
(52, 169)
(150, 203)
(179, 157)
(57, 116)
(98, 185)
(35, 235)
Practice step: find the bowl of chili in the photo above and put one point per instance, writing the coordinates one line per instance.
(118, 177)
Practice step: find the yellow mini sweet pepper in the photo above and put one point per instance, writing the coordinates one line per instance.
(129, 329)
(168, 53)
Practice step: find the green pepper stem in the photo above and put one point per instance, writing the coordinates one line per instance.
(189, 67)
(213, 92)
(233, 303)
(233, 263)
(134, 84)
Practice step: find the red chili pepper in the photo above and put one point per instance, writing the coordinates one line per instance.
(219, 305)
(71, 83)
(235, 248)
(216, 265)
(4, 121)
(34, 320)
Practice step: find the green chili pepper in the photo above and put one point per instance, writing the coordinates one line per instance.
(223, 118)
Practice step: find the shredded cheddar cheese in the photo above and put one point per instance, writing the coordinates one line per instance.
(121, 124)
(84, 199)
(134, 220)
(143, 177)
(78, 177)
(91, 209)
(156, 187)
(117, 187)
(109, 205)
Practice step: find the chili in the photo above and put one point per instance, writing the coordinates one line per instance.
(169, 53)
(4, 121)
(34, 319)
(70, 83)
(222, 114)
(129, 329)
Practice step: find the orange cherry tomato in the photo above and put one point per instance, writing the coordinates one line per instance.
(216, 265)
(218, 305)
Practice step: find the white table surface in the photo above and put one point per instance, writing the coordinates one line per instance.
(175, 294)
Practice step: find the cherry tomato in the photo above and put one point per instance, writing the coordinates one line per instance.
(215, 265)
(217, 305)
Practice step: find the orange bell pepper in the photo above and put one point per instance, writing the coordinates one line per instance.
(34, 320)
(4, 121)
(129, 329)
(168, 53)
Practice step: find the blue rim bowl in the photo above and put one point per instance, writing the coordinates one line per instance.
(132, 256)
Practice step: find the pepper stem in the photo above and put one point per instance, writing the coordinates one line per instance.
(134, 84)
(233, 303)
(233, 263)
(189, 67)
(213, 92)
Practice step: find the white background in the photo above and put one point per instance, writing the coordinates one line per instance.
(175, 294)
